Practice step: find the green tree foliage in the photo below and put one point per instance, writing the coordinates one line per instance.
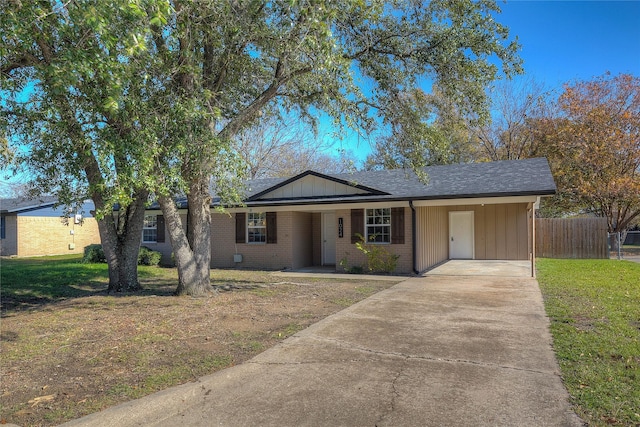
(67, 77)
(424, 129)
(451, 136)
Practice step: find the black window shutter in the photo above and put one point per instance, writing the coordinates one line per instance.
(241, 223)
(357, 224)
(160, 229)
(272, 228)
(397, 226)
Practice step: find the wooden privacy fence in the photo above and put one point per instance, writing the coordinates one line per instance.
(571, 238)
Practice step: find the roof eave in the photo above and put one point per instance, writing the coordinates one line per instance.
(359, 199)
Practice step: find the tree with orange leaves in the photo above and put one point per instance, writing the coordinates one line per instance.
(593, 144)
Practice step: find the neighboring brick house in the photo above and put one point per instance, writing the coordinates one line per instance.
(466, 211)
(37, 227)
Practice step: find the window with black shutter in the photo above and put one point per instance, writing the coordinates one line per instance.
(272, 227)
(397, 226)
(241, 223)
(160, 229)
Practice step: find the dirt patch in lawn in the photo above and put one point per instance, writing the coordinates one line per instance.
(81, 355)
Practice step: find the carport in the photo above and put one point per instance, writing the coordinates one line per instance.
(490, 229)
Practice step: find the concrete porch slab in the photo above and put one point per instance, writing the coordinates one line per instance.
(467, 267)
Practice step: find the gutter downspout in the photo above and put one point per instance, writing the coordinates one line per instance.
(413, 238)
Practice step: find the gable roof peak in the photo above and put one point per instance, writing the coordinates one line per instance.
(340, 187)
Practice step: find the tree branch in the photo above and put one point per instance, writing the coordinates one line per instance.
(27, 60)
(256, 105)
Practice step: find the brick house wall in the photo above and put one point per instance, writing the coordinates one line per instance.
(270, 256)
(49, 236)
(9, 245)
(347, 251)
(299, 243)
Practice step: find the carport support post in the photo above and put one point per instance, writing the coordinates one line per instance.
(533, 241)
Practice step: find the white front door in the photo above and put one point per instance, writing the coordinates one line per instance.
(328, 238)
(461, 235)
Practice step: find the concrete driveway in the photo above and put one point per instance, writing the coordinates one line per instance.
(439, 350)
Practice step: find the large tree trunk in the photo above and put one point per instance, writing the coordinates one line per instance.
(121, 242)
(191, 249)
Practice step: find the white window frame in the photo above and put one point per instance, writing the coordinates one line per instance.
(375, 219)
(257, 221)
(148, 226)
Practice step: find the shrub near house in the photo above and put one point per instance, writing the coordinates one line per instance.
(146, 256)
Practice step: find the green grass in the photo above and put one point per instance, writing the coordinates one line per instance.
(594, 308)
(56, 278)
(51, 277)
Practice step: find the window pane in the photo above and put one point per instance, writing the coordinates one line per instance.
(257, 235)
(149, 235)
(257, 227)
(378, 227)
(150, 221)
(150, 229)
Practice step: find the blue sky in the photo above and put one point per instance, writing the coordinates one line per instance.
(568, 40)
(564, 41)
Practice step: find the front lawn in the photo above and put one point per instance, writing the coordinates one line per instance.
(594, 308)
(69, 349)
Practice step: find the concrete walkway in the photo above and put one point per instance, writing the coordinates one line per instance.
(430, 351)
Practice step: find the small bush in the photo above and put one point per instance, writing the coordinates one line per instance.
(148, 256)
(93, 253)
(351, 269)
(379, 258)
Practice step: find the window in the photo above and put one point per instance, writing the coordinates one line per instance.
(256, 227)
(378, 225)
(3, 225)
(150, 229)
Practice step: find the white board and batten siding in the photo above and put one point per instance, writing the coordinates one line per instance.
(312, 186)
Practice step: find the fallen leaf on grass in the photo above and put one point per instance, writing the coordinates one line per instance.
(40, 399)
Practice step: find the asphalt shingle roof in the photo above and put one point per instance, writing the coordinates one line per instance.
(23, 204)
(472, 180)
(530, 177)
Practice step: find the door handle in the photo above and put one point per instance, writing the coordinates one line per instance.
(452, 239)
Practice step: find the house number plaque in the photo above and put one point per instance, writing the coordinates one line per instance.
(340, 228)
